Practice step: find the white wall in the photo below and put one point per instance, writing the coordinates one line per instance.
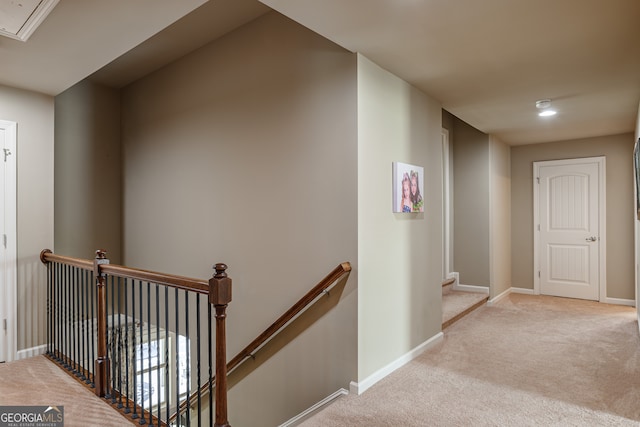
(500, 215)
(34, 114)
(244, 152)
(399, 255)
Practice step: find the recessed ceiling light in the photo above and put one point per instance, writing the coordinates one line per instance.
(544, 107)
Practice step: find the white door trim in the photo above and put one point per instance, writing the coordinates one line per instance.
(602, 213)
(10, 294)
(446, 207)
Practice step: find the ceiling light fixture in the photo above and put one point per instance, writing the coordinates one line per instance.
(544, 107)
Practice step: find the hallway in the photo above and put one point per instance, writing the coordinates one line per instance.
(526, 361)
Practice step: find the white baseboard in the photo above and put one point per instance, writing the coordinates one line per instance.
(455, 276)
(525, 291)
(30, 352)
(315, 408)
(470, 288)
(360, 387)
(513, 290)
(620, 301)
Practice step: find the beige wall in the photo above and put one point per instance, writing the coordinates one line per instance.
(471, 207)
(618, 151)
(245, 152)
(637, 235)
(34, 114)
(400, 255)
(88, 171)
(500, 215)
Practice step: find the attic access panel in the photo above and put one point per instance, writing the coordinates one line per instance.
(20, 18)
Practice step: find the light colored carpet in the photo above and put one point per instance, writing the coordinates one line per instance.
(527, 361)
(37, 381)
(456, 302)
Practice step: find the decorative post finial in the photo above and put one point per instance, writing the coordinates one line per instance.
(101, 254)
(221, 271)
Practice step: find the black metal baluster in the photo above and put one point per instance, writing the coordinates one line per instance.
(48, 308)
(166, 355)
(85, 284)
(198, 358)
(111, 331)
(141, 385)
(209, 333)
(65, 350)
(134, 350)
(142, 421)
(177, 356)
(120, 344)
(158, 348)
(76, 325)
(94, 330)
(54, 316)
(126, 345)
(83, 328)
(188, 357)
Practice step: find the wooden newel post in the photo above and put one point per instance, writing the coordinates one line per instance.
(101, 374)
(220, 296)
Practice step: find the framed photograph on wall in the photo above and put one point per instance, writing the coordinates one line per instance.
(408, 182)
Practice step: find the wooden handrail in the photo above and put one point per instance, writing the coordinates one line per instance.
(180, 282)
(290, 314)
(295, 309)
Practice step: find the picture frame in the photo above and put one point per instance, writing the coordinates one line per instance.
(407, 187)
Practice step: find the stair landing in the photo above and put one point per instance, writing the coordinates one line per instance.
(457, 304)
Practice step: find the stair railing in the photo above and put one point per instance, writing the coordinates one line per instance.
(119, 345)
(250, 350)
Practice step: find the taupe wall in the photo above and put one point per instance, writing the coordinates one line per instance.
(88, 171)
(637, 235)
(500, 215)
(245, 152)
(618, 151)
(471, 197)
(34, 114)
(400, 255)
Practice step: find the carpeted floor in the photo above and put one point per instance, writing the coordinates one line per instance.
(526, 361)
(36, 381)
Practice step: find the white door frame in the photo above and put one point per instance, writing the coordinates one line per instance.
(602, 220)
(8, 293)
(446, 206)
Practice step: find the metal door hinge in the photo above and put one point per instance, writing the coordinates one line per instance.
(4, 324)
(7, 153)
(538, 179)
(4, 240)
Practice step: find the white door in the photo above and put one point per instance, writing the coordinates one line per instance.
(8, 250)
(570, 232)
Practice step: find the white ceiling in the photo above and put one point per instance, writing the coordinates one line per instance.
(486, 61)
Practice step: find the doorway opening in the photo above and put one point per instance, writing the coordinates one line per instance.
(8, 239)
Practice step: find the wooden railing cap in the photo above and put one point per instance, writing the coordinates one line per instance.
(43, 255)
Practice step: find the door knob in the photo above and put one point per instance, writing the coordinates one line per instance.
(591, 239)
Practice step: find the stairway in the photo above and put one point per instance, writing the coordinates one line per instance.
(457, 304)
